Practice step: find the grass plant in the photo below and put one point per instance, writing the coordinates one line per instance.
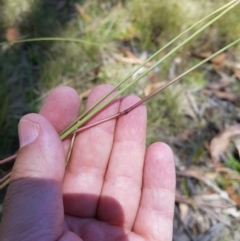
(76, 126)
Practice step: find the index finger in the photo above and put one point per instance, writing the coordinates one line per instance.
(61, 107)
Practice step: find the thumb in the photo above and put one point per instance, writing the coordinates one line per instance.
(41, 152)
(34, 195)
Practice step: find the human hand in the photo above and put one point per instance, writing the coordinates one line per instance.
(113, 189)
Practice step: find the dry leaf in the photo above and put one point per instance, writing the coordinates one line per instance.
(231, 174)
(184, 209)
(85, 94)
(130, 60)
(130, 57)
(185, 135)
(12, 34)
(220, 142)
(218, 86)
(212, 176)
(200, 176)
(151, 87)
(127, 53)
(233, 195)
(226, 95)
(206, 92)
(221, 95)
(219, 59)
(203, 55)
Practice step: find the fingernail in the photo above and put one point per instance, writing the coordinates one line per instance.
(28, 131)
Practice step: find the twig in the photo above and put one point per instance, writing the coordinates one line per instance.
(8, 159)
(70, 149)
(5, 177)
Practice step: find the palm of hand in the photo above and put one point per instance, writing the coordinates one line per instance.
(112, 188)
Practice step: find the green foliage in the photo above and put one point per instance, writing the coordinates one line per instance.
(184, 187)
(195, 79)
(233, 163)
(228, 27)
(164, 116)
(160, 20)
(30, 70)
(4, 99)
(16, 94)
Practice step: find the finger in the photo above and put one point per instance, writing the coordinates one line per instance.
(61, 107)
(154, 220)
(89, 160)
(123, 180)
(35, 191)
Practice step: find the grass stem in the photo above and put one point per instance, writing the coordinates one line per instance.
(98, 106)
(149, 59)
(95, 111)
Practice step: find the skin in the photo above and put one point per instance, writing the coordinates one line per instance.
(112, 189)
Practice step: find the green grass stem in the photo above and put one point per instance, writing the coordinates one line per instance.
(107, 102)
(152, 57)
(97, 107)
(58, 39)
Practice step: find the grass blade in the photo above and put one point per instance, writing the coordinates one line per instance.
(146, 61)
(58, 39)
(94, 112)
(126, 111)
(5, 180)
(86, 115)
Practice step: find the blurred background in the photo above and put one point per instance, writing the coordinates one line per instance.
(198, 116)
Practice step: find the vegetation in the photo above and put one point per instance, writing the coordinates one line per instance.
(118, 35)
